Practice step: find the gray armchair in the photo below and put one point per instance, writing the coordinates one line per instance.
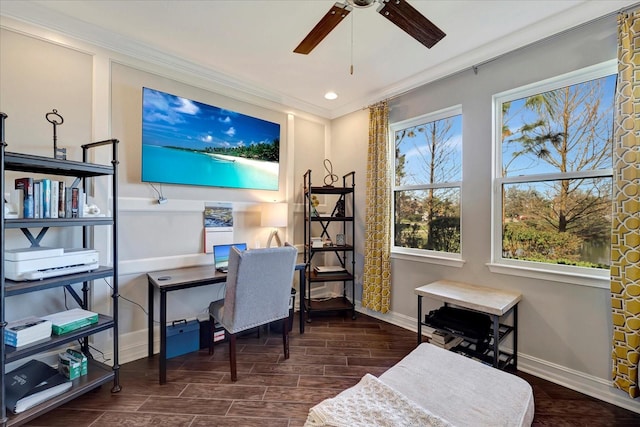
(257, 292)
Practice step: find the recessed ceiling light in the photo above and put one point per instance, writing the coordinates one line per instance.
(330, 95)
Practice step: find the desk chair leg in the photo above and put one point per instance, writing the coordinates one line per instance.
(285, 336)
(212, 323)
(232, 357)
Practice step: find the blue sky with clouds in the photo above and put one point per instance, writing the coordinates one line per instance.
(170, 120)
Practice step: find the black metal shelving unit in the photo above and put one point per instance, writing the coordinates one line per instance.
(98, 373)
(342, 215)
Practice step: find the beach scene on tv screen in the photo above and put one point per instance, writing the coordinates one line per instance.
(188, 142)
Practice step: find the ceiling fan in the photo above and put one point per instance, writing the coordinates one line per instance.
(399, 12)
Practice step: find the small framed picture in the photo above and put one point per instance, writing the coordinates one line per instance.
(340, 239)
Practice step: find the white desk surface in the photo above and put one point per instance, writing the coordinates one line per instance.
(480, 298)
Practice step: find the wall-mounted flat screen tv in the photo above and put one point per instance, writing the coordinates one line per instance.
(188, 142)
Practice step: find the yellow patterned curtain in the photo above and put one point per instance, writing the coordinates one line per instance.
(376, 280)
(625, 237)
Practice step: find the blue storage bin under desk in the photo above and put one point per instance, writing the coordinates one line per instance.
(182, 337)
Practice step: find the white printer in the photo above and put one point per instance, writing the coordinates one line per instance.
(42, 262)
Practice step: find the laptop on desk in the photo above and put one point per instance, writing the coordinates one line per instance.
(221, 255)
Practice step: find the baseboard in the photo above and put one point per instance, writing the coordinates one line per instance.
(590, 385)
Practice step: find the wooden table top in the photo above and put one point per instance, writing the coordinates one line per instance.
(480, 298)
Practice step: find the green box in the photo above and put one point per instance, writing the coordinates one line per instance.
(69, 366)
(80, 357)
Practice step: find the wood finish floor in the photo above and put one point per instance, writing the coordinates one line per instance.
(333, 354)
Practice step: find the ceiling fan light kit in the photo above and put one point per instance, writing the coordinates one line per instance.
(399, 12)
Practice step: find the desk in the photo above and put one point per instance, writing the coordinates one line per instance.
(494, 302)
(183, 278)
(173, 280)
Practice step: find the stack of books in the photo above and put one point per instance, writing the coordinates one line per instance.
(444, 340)
(26, 331)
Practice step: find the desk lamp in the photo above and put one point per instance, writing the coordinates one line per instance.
(274, 215)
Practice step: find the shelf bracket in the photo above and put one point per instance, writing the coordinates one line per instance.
(35, 241)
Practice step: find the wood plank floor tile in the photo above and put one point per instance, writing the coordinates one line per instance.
(306, 359)
(129, 419)
(287, 368)
(312, 396)
(202, 421)
(208, 391)
(186, 405)
(326, 381)
(65, 418)
(268, 409)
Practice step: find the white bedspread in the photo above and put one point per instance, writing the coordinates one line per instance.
(371, 403)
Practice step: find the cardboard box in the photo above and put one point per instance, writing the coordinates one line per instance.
(71, 320)
(69, 366)
(81, 357)
(182, 337)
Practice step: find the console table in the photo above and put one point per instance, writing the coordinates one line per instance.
(496, 303)
(184, 278)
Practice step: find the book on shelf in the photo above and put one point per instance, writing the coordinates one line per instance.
(329, 269)
(453, 342)
(71, 320)
(55, 193)
(31, 384)
(25, 331)
(46, 198)
(61, 200)
(26, 185)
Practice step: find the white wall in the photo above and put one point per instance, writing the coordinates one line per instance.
(564, 329)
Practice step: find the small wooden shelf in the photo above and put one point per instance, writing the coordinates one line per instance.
(13, 353)
(332, 304)
(337, 220)
(16, 288)
(97, 375)
(56, 222)
(496, 303)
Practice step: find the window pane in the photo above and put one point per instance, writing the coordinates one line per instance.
(558, 222)
(564, 130)
(428, 219)
(429, 153)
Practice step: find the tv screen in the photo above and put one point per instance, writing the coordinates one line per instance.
(187, 142)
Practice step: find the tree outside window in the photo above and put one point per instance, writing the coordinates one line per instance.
(556, 170)
(427, 177)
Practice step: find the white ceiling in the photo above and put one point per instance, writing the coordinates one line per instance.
(248, 44)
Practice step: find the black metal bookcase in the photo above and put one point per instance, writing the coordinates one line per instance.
(343, 215)
(98, 373)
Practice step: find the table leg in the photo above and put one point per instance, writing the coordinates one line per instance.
(419, 319)
(301, 299)
(496, 340)
(150, 318)
(163, 337)
(515, 336)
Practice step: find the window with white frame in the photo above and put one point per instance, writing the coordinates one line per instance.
(553, 173)
(426, 179)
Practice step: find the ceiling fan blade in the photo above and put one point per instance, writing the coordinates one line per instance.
(335, 15)
(412, 22)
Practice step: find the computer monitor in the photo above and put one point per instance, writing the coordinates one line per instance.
(221, 255)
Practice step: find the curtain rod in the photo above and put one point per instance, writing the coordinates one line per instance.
(495, 58)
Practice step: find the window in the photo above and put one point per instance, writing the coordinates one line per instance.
(552, 201)
(427, 175)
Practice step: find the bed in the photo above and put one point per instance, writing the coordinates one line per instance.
(431, 387)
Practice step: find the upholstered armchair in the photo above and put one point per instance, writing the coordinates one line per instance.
(257, 293)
